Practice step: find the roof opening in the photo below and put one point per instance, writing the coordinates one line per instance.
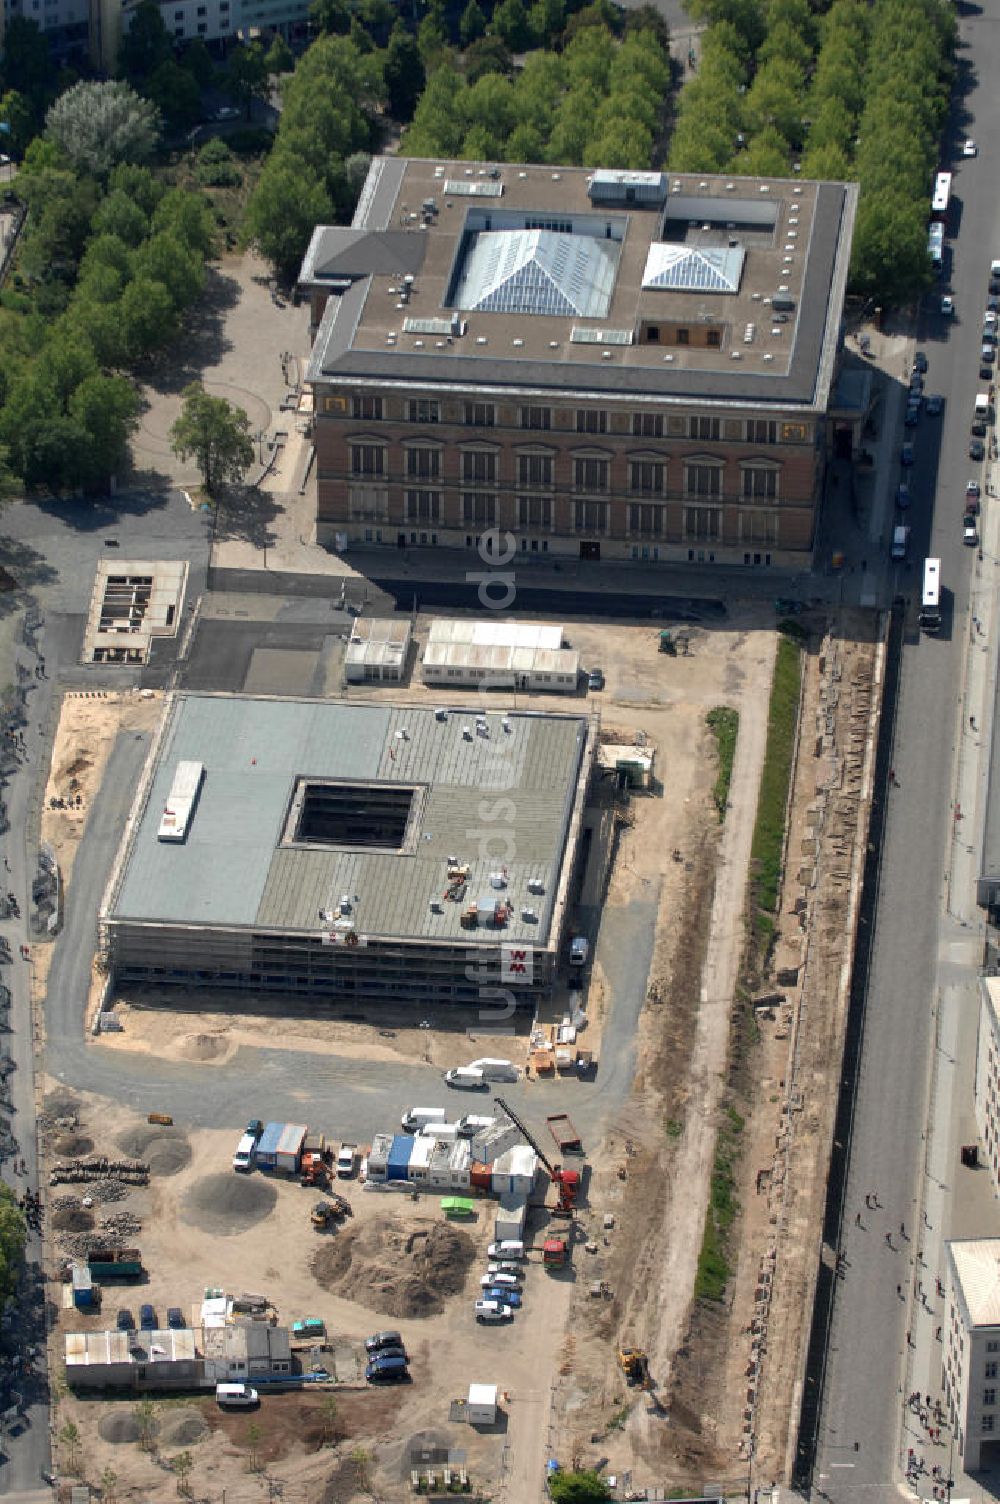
(359, 815)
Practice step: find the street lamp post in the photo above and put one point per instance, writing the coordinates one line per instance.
(750, 1451)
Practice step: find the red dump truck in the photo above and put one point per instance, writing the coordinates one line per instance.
(562, 1130)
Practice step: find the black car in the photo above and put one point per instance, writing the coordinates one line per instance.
(976, 449)
(379, 1340)
(395, 1350)
(125, 1321)
(175, 1318)
(920, 362)
(147, 1318)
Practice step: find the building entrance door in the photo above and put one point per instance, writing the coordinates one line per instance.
(590, 550)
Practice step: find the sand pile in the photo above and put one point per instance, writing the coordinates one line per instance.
(73, 1219)
(226, 1204)
(165, 1150)
(183, 1428)
(396, 1272)
(204, 1047)
(121, 1426)
(73, 1145)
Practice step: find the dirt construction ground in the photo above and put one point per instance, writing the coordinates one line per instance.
(641, 1229)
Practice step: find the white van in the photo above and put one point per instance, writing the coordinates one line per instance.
(900, 542)
(245, 1151)
(445, 1132)
(579, 950)
(465, 1078)
(469, 1126)
(237, 1396)
(418, 1117)
(495, 1070)
(508, 1248)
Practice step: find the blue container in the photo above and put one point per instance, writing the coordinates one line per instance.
(83, 1288)
(398, 1160)
(267, 1145)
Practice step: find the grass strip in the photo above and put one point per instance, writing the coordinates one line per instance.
(724, 723)
(769, 830)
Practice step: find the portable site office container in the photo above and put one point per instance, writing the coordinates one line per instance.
(460, 1165)
(438, 1173)
(267, 1145)
(514, 1172)
(420, 1158)
(378, 1156)
(488, 1146)
(398, 1160)
(288, 1155)
(511, 1218)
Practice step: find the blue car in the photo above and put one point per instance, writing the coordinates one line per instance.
(506, 1294)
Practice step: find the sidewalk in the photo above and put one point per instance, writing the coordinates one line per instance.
(951, 1201)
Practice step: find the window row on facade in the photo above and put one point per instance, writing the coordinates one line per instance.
(645, 475)
(481, 510)
(536, 418)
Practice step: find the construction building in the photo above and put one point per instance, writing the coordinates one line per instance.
(359, 851)
(971, 1340)
(604, 365)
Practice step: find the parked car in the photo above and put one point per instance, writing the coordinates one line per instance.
(912, 417)
(387, 1370)
(505, 1268)
(906, 456)
(175, 1318)
(504, 1294)
(509, 1280)
(125, 1321)
(595, 678)
(903, 496)
(977, 428)
(494, 1310)
(972, 492)
(920, 362)
(227, 112)
(397, 1350)
(934, 406)
(977, 450)
(970, 533)
(948, 306)
(987, 354)
(147, 1318)
(969, 148)
(309, 1326)
(383, 1339)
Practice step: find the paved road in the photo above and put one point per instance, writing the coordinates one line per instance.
(869, 1333)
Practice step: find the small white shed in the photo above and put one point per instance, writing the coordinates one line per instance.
(481, 1407)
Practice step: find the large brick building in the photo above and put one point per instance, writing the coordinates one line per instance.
(608, 365)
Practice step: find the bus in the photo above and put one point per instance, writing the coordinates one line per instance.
(941, 197)
(930, 600)
(935, 244)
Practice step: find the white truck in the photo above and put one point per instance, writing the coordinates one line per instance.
(495, 1070)
(346, 1160)
(465, 1078)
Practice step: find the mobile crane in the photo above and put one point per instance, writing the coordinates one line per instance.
(566, 1182)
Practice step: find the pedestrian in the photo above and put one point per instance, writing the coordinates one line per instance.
(937, 1335)
(868, 1201)
(899, 1292)
(902, 1229)
(972, 723)
(857, 1219)
(888, 1239)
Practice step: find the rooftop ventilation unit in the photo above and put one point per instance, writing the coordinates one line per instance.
(582, 334)
(454, 325)
(477, 188)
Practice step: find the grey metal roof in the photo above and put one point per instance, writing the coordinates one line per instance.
(516, 786)
(694, 268)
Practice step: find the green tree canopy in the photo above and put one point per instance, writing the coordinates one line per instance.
(146, 45)
(12, 1237)
(586, 1487)
(279, 58)
(120, 216)
(472, 26)
(216, 435)
(176, 94)
(246, 74)
(404, 73)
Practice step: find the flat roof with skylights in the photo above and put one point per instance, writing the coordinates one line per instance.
(586, 283)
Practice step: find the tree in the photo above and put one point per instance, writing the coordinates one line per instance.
(254, 1434)
(100, 125)
(109, 1485)
(199, 62)
(489, 55)
(328, 1410)
(27, 61)
(118, 215)
(404, 73)
(18, 117)
(181, 1465)
(187, 214)
(280, 58)
(472, 26)
(586, 1487)
(146, 45)
(107, 409)
(331, 16)
(166, 259)
(70, 1438)
(144, 1414)
(246, 75)
(176, 94)
(286, 206)
(147, 317)
(510, 23)
(139, 184)
(216, 435)
(8, 480)
(13, 1232)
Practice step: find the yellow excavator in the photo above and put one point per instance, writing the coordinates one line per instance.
(634, 1364)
